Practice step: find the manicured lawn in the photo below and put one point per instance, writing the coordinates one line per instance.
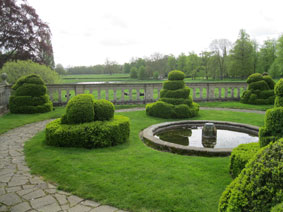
(135, 177)
(235, 105)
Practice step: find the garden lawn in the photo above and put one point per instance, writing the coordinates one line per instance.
(135, 177)
(10, 121)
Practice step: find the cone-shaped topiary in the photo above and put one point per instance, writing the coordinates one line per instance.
(175, 100)
(260, 90)
(259, 186)
(29, 96)
(273, 120)
(88, 123)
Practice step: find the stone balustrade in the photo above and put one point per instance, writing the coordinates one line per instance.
(140, 93)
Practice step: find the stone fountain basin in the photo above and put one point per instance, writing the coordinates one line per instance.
(149, 138)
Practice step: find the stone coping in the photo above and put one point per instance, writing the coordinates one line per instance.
(148, 136)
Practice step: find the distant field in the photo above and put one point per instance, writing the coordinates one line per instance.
(124, 78)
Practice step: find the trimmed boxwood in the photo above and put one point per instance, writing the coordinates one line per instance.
(178, 101)
(269, 81)
(88, 135)
(29, 96)
(160, 109)
(240, 156)
(273, 120)
(179, 93)
(103, 109)
(259, 85)
(278, 101)
(254, 78)
(176, 75)
(259, 186)
(184, 111)
(173, 84)
(278, 89)
(277, 208)
(80, 109)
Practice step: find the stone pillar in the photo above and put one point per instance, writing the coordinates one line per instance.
(148, 93)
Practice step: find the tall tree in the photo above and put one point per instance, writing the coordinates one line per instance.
(205, 57)
(267, 55)
(220, 49)
(181, 62)
(172, 62)
(242, 56)
(23, 35)
(276, 69)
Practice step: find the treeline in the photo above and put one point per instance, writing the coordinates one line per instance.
(223, 60)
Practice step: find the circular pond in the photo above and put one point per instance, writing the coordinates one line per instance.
(185, 137)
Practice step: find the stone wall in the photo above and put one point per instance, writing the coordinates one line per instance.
(140, 93)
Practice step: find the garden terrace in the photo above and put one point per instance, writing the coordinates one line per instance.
(120, 93)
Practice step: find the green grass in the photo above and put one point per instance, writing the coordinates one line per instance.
(135, 177)
(235, 105)
(10, 121)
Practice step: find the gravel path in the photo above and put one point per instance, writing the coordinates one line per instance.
(20, 191)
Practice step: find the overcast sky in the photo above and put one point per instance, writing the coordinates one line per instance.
(86, 32)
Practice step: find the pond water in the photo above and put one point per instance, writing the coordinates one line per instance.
(193, 137)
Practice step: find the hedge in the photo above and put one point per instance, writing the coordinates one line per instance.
(240, 156)
(29, 96)
(259, 186)
(278, 89)
(173, 84)
(88, 135)
(180, 93)
(254, 78)
(277, 208)
(269, 82)
(259, 85)
(278, 101)
(273, 120)
(80, 109)
(178, 101)
(103, 110)
(176, 75)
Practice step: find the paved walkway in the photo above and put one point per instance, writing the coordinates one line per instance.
(20, 191)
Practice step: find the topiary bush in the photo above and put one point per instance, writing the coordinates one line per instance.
(104, 110)
(240, 157)
(259, 186)
(273, 120)
(80, 109)
(277, 208)
(260, 90)
(175, 100)
(88, 123)
(29, 96)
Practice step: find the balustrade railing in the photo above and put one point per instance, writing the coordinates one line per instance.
(118, 93)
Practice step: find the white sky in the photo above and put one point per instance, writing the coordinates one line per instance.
(86, 32)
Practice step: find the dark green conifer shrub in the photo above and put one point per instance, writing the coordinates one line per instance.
(175, 100)
(29, 96)
(259, 186)
(260, 90)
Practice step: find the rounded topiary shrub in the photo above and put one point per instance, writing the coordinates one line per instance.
(29, 96)
(278, 89)
(176, 75)
(104, 110)
(88, 123)
(240, 157)
(175, 100)
(260, 90)
(259, 186)
(80, 109)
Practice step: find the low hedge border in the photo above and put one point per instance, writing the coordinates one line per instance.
(94, 134)
(44, 108)
(240, 157)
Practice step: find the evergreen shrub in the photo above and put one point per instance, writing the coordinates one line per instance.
(80, 109)
(103, 109)
(259, 186)
(277, 208)
(240, 157)
(29, 96)
(278, 89)
(269, 81)
(175, 100)
(88, 135)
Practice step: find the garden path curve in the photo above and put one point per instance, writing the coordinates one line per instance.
(21, 191)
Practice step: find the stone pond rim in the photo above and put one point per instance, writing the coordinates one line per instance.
(150, 140)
